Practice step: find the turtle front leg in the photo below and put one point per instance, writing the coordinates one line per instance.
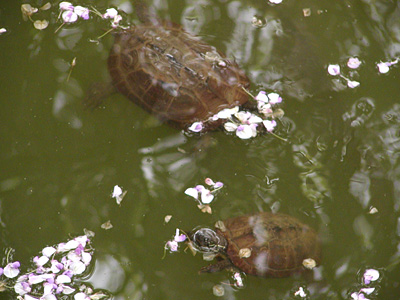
(219, 266)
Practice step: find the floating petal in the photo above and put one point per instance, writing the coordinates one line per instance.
(192, 192)
(227, 112)
(110, 13)
(172, 246)
(383, 67)
(41, 24)
(77, 268)
(300, 292)
(269, 125)
(206, 196)
(334, 70)
(48, 251)
(11, 270)
(22, 288)
(370, 275)
(82, 12)
(196, 127)
(63, 279)
(244, 132)
(274, 98)
(262, 97)
(230, 127)
(352, 84)
(353, 63)
(66, 6)
(69, 16)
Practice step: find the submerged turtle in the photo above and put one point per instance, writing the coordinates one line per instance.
(173, 74)
(262, 244)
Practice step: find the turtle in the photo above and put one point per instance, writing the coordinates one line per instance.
(263, 244)
(173, 74)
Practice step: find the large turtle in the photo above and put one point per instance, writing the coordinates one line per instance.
(262, 244)
(173, 74)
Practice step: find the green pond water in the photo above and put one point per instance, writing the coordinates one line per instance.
(60, 162)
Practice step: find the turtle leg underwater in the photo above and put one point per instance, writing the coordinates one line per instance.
(97, 93)
(219, 266)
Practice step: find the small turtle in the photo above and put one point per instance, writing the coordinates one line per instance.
(173, 74)
(262, 244)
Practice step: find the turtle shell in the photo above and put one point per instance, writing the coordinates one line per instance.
(166, 71)
(278, 244)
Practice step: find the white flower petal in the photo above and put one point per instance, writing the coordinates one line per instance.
(254, 119)
(63, 279)
(353, 63)
(29, 297)
(48, 251)
(227, 112)
(371, 275)
(352, 84)
(230, 127)
(67, 290)
(69, 16)
(334, 70)
(86, 258)
(192, 192)
(244, 132)
(196, 127)
(48, 297)
(83, 239)
(42, 261)
(116, 192)
(77, 267)
(35, 279)
(269, 125)
(383, 67)
(206, 196)
(81, 296)
(367, 291)
(110, 13)
(243, 116)
(21, 288)
(262, 97)
(10, 272)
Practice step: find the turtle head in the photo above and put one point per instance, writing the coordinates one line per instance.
(207, 240)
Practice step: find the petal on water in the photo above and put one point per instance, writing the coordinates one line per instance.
(262, 97)
(196, 127)
(334, 70)
(353, 63)
(63, 279)
(48, 251)
(269, 125)
(230, 127)
(274, 98)
(352, 84)
(69, 16)
(86, 258)
(192, 192)
(244, 132)
(116, 192)
(206, 196)
(77, 268)
(10, 271)
(383, 67)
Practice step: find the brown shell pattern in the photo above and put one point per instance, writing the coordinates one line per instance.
(279, 243)
(163, 69)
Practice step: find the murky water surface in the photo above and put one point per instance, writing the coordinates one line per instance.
(338, 172)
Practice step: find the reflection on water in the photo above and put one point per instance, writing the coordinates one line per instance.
(339, 172)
